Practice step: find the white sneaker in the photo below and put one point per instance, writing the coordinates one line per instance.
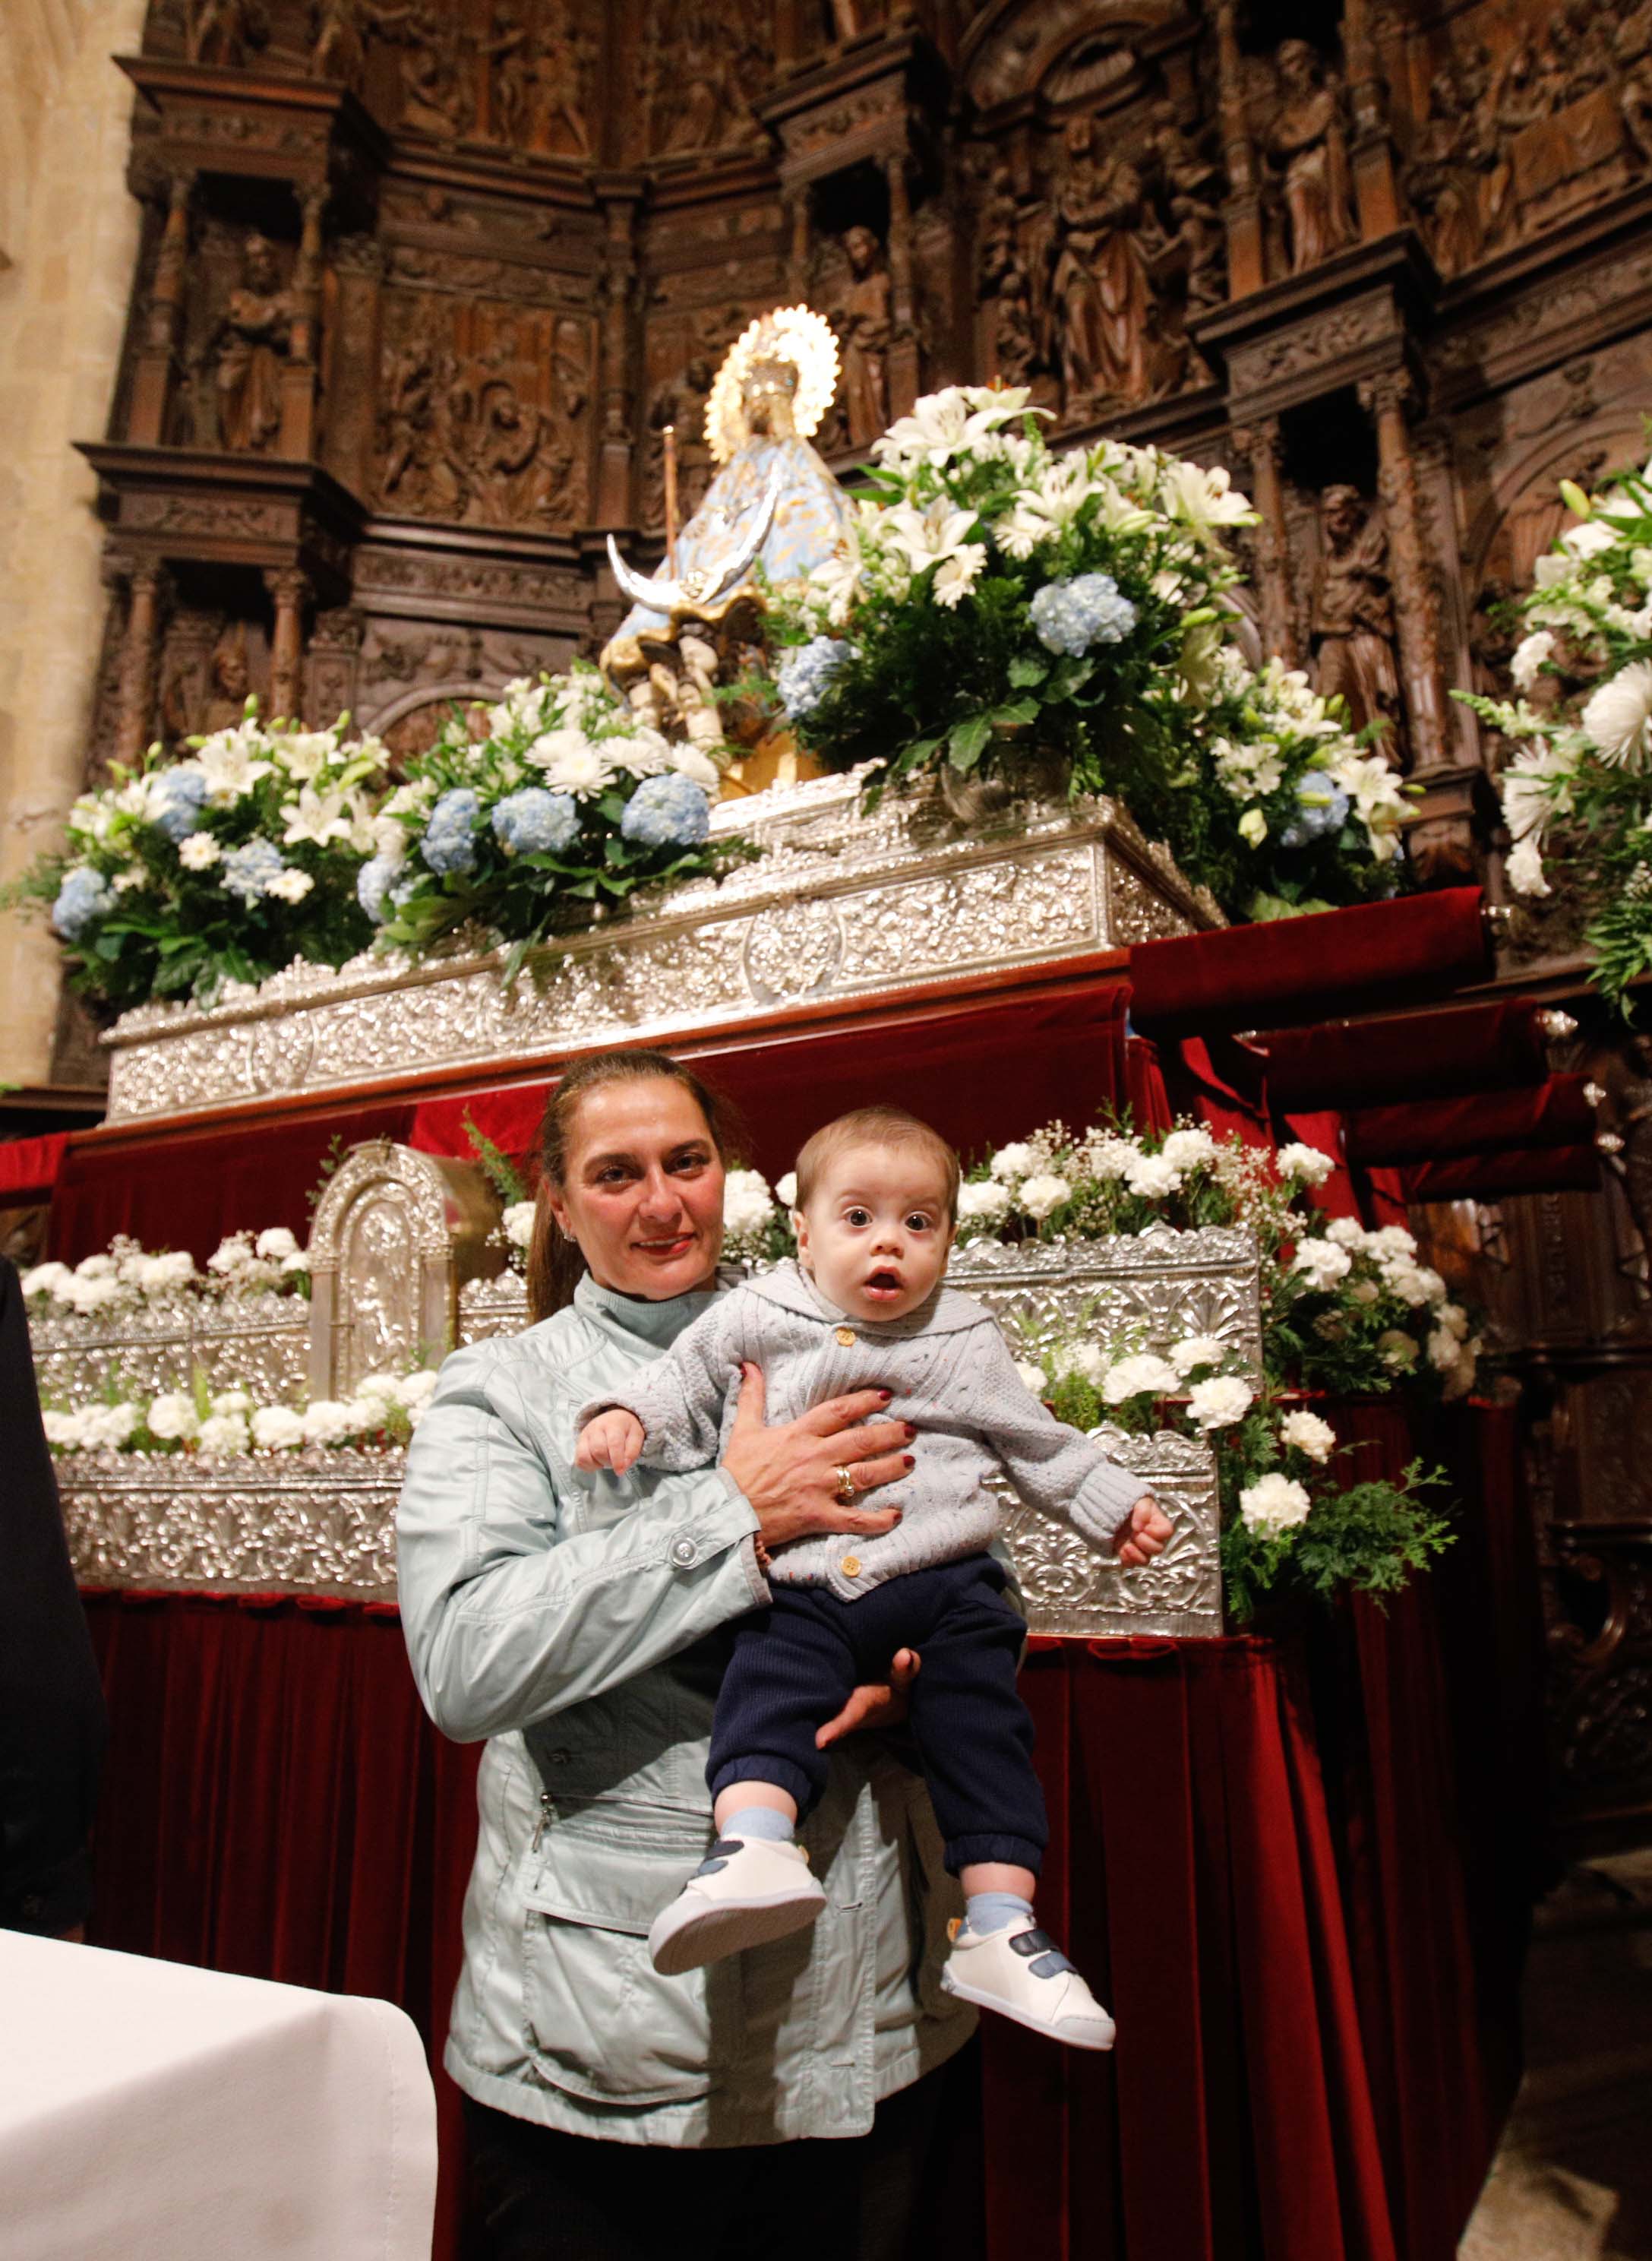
(749, 1891)
(1022, 1974)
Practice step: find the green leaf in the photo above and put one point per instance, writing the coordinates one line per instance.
(1018, 710)
(968, 742)
(1026, 669)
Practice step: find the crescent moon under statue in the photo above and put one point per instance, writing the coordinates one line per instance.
(699, 585)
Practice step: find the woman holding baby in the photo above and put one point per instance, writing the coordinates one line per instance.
(625, 2102)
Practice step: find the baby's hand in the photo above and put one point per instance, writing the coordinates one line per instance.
(1144, 1534)
(613, 1440)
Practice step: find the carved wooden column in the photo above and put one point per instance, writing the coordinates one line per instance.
(1384, 396)
(1376, 192)
(290, 590)
(157, 357)
(1247, 264)
(1263, 445)
(616, 505)
(140, 650)
(904, 373)
(298, 377)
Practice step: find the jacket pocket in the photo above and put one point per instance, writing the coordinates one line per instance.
(601, 2022)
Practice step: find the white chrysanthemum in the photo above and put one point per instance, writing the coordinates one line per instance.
(1152, 1176)
(516, 1223)
(1321, 1263)
(1618, 714)
(222, 1434)
(1016, 1160)
(689, 761)
(747, 1203)
(1273, 1504)
(1185, 1150)
(986, 1199)
(1306, 1432)
(1217, 1403)
(1142, 1376)
(570, 763)
(198, 852)
(1041, 1196)
(786, 1189)
(1308, 1163)
(1194, 1351)
(1034, 1376)
(172, 1414)
(957, 574)
(291, 886)
(277, 1429)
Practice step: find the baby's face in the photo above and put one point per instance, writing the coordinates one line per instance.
(876, 1235)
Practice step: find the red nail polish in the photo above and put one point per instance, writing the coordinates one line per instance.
(910, 1431)
(886, 1395)
(908, 1459)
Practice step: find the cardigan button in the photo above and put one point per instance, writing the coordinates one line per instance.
(851, 1566)
(845, 1335)
(684, 1554)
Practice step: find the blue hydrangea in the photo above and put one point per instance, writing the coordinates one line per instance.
(85, 897)
(666, 812)
(804, 675)
(450, 843)
(176, 799)
(373, 885)
(535, 822)
(248, 871)
(1070, 616)
(1322, 809)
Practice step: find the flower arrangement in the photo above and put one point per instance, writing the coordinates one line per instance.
(127, 1278)
(181, 876)
(384, 1411)
(1577, 789)
(1002, 599)
(568, 801)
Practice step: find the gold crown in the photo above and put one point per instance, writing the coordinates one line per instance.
(791, 337)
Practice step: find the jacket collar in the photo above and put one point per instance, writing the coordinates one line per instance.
(946, 1312)
(637, 1319)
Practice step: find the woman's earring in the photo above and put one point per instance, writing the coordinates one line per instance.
(569, 1233)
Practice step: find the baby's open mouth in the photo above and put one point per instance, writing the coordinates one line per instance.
(884, 1283)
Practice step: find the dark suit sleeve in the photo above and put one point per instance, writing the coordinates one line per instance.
(52, 1718)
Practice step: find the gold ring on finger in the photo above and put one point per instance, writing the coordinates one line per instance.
(846, 1490)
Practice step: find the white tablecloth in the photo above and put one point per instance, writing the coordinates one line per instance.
(153, 2111)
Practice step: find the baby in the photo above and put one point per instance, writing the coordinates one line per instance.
(863, 1307)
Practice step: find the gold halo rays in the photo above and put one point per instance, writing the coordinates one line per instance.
(793, 333)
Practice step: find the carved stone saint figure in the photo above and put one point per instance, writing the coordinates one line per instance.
(1192, 187)
(252, 345)
(223, 30)
(1307, 144)
(1351, 629)
(338, 50)
(229, 680)
(1099, 287)
(861, 317)
(1451, 156)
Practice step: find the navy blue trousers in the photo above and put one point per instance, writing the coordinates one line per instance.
(795, 1662)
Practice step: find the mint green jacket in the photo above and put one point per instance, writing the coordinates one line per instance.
(581, 1624)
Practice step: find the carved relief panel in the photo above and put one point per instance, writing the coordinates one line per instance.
(695, 70)
(482, 411)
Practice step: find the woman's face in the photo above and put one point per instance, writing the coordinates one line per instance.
(643, 1188)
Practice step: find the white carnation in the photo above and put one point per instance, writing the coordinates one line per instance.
(516, 1223)
(94, 1295)
(1321, 1263)
(786, 1190)
(1194, 1351)
(1142, 1376)
(1184, 1150)
(1220, 1402)
(230, 1401)
(1040, 1197)
(1087, 1360)
(165, 1274)
(232, 1255)
(277, 1429)
(986, 1199)
(172, 1414)
(1444, 1349)
(1348, 1233)
(1274, 1503)
(1013, 1161)
(1453, 1319)
(1306, 1432)
(747, 1203)
(1408, 1282)
(1397, 1351)
(1034, 1376)
(223, 1433)
(1529, 656)
(326, 1420)
(1523, 866)
(1152, 1176)
(298, 1261)
(44, 1280)
(1308, 1163)
(276, 1240)
(1112, 1158)
(419, 1387)
(66, 1430)
(107, 1428)
(1392, 1241)
(96, 1267)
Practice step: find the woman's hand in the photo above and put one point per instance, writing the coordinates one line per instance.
(880, 1704)
(791, 1473)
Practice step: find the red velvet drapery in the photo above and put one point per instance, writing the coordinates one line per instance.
(1303, 1882)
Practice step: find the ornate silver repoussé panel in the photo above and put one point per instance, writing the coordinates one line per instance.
(839, 904)
(261, 1342)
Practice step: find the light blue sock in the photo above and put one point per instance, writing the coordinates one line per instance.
(767, 1821)
(986, 1912)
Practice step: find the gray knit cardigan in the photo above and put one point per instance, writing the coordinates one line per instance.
(952, 1378)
